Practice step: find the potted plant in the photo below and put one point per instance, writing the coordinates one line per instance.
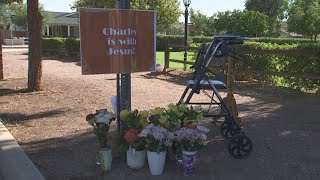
(172, 117)
(177, 116)
(192, 116)
(101, 120)
(133, 123)
(190, 139)
(157, 139)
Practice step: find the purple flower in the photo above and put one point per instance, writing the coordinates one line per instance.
(155, 133)
(190, 135)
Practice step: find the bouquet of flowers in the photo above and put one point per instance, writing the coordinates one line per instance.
(191, 138)
(133, 141)
(101, 121)
(133, 123)
(157, 137)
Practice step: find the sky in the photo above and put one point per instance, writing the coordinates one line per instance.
(208, 7)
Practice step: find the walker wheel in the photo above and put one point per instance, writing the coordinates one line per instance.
(240, 146)
(225, 130)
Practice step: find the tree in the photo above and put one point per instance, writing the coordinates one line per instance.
(246, 23)
(204, 24)
(10, 1)
(274, 9)
(94, 3)
(13, 14)
(3, 2)
(167, 10)
(304, 18)
(19, 15)
(35, 45)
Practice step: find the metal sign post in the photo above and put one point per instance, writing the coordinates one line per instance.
(125, 88)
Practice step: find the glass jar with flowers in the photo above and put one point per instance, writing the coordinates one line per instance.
(133, 122)
(101, 120)
(190, 139)
(157, 139)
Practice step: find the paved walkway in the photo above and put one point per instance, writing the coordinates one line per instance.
(14, 163)
(14, 48)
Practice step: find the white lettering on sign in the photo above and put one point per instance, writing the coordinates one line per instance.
(119, 32)
(113, 51)
(115, 37)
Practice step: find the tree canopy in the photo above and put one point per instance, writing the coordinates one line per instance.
(304, 18)
(167, 10)
(246, 23)
(204, 24)
(10, 1)
(94, 3)
(274, 9)
(16, 13)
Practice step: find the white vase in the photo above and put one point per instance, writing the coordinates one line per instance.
(136, 159)
(105, 158)
(156, 162)
(188, 162)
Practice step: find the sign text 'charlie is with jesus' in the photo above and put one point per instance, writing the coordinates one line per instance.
(117, 41)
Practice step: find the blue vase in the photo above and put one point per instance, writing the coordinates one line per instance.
(188, 162)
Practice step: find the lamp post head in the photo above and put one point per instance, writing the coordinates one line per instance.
(186, 3)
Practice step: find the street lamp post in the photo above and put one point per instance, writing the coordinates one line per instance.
(186, 14)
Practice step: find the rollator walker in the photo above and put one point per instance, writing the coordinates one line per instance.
(214, 54)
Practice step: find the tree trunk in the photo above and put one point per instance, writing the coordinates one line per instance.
(35, 45)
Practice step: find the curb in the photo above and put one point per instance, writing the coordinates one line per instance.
(15, 47)
(14, 163)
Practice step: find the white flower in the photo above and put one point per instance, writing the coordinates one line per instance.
(144, 133)
(103, 118)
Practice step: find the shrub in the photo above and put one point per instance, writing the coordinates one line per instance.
(281, 41)
(61, 46)
(54, 46)
(172, 39)
(295, 59)
(201, 39)
(72, 46)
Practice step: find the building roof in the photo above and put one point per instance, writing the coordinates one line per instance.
(63, 18)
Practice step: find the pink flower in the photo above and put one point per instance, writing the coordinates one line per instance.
(131, 135)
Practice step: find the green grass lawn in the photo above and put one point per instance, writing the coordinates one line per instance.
(174, 55)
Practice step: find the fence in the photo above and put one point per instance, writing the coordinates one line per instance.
(169, 48)
(298, 68)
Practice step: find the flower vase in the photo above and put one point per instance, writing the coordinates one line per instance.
(156, 161)
(136, 159)
(105, 158)
(188, 162)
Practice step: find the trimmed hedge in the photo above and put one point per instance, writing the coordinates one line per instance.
(201, 39)
(300, 56)
(61, 46)
(72, 46)
(179, 40)
(282, 41)
(172, 39)
(54, 46)
(68, 47)
(300, 60)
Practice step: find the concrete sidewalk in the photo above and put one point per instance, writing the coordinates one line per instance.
(15, 46)
(14, 163)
